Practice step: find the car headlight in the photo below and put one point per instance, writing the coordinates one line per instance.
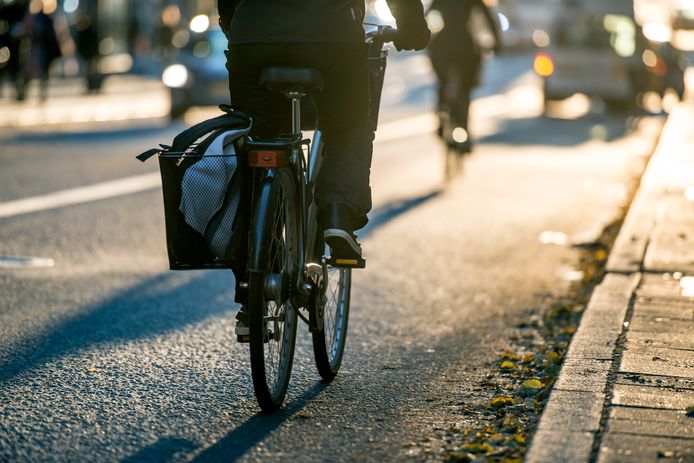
(175, 76)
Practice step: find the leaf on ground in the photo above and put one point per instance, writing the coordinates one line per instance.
(529, 358)
(499, 402)
(600, 255)
(510, 356)
(475, 447)
(508, 365)
(519, 438)
(533, 384)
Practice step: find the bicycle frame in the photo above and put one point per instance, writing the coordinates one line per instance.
(287, 270)
(304, 168)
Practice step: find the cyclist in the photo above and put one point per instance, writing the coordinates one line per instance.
(326, 35)
(457, 57)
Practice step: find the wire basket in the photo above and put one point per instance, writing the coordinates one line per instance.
(203, 232)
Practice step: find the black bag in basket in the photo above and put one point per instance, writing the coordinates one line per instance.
(204, 180)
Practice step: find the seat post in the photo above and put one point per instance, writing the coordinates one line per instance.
(296, 111)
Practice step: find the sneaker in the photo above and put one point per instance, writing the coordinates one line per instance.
(343, 244)
(337, 221)
(241, 329)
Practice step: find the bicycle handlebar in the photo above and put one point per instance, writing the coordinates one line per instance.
(382, 34)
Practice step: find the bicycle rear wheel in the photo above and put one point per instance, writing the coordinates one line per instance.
(330, 312)
(272, 272)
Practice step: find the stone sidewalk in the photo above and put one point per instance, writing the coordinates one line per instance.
(628, 377)
(122, 98)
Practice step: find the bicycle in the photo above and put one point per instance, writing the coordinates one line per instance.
(453, 134)
(289, 268)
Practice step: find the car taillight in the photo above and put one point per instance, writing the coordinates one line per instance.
(543, 65)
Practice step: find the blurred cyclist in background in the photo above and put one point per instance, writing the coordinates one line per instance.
(326, 35)
(456, 57)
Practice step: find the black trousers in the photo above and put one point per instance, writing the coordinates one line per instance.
(342, 107)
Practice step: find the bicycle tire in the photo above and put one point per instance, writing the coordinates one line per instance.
(272, 317)
(332, 300)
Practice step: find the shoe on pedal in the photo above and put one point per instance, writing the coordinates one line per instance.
(241, 329)
(339, 234)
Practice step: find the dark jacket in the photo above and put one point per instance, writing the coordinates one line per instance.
(455, 40)
(303, 21)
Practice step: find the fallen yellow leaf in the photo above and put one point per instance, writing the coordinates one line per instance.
(508, 365)
(528, 358)
(499, 402)
(479, 448)
(533, 384)
(510, 356)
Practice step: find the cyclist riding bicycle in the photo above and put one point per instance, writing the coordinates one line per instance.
(456, 57)
(326, 35)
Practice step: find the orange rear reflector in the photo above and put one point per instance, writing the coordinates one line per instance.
(543, 65)
(267, 158)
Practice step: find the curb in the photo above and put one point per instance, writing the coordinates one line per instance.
(571, 420)
(575, 413)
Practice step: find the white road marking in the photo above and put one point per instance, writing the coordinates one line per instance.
(110, 189)
(25, 262)
(401, 128)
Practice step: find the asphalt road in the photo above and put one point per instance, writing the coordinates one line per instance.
(107, 356)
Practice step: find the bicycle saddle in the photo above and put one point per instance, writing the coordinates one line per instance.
(286, 79)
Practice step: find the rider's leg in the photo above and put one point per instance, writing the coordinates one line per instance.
(343, 183)
(343, 108)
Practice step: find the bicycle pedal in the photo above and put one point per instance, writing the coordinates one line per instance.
(359, 262)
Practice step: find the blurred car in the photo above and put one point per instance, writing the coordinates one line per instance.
(598, 49)
(198, 76)
(683, 15)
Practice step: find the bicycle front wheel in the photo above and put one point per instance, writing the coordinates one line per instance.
(272, 317)
(330, 312)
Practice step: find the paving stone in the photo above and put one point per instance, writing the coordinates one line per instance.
(678, 313)
(649, 421)
(565, 447)
(652, 397)
(595, 345)
(577, 410)
(652, 324)
(659, 284)
(677, 357)
(661, 363)
(626, 448)
(677, 307)
(684, 341)
(665, 382)
(583, 375)
(671, 247)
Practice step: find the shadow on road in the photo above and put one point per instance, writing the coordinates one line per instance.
(256, 429)
(165, 449)
(560, 132)
(167, 302)
(389, 211)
